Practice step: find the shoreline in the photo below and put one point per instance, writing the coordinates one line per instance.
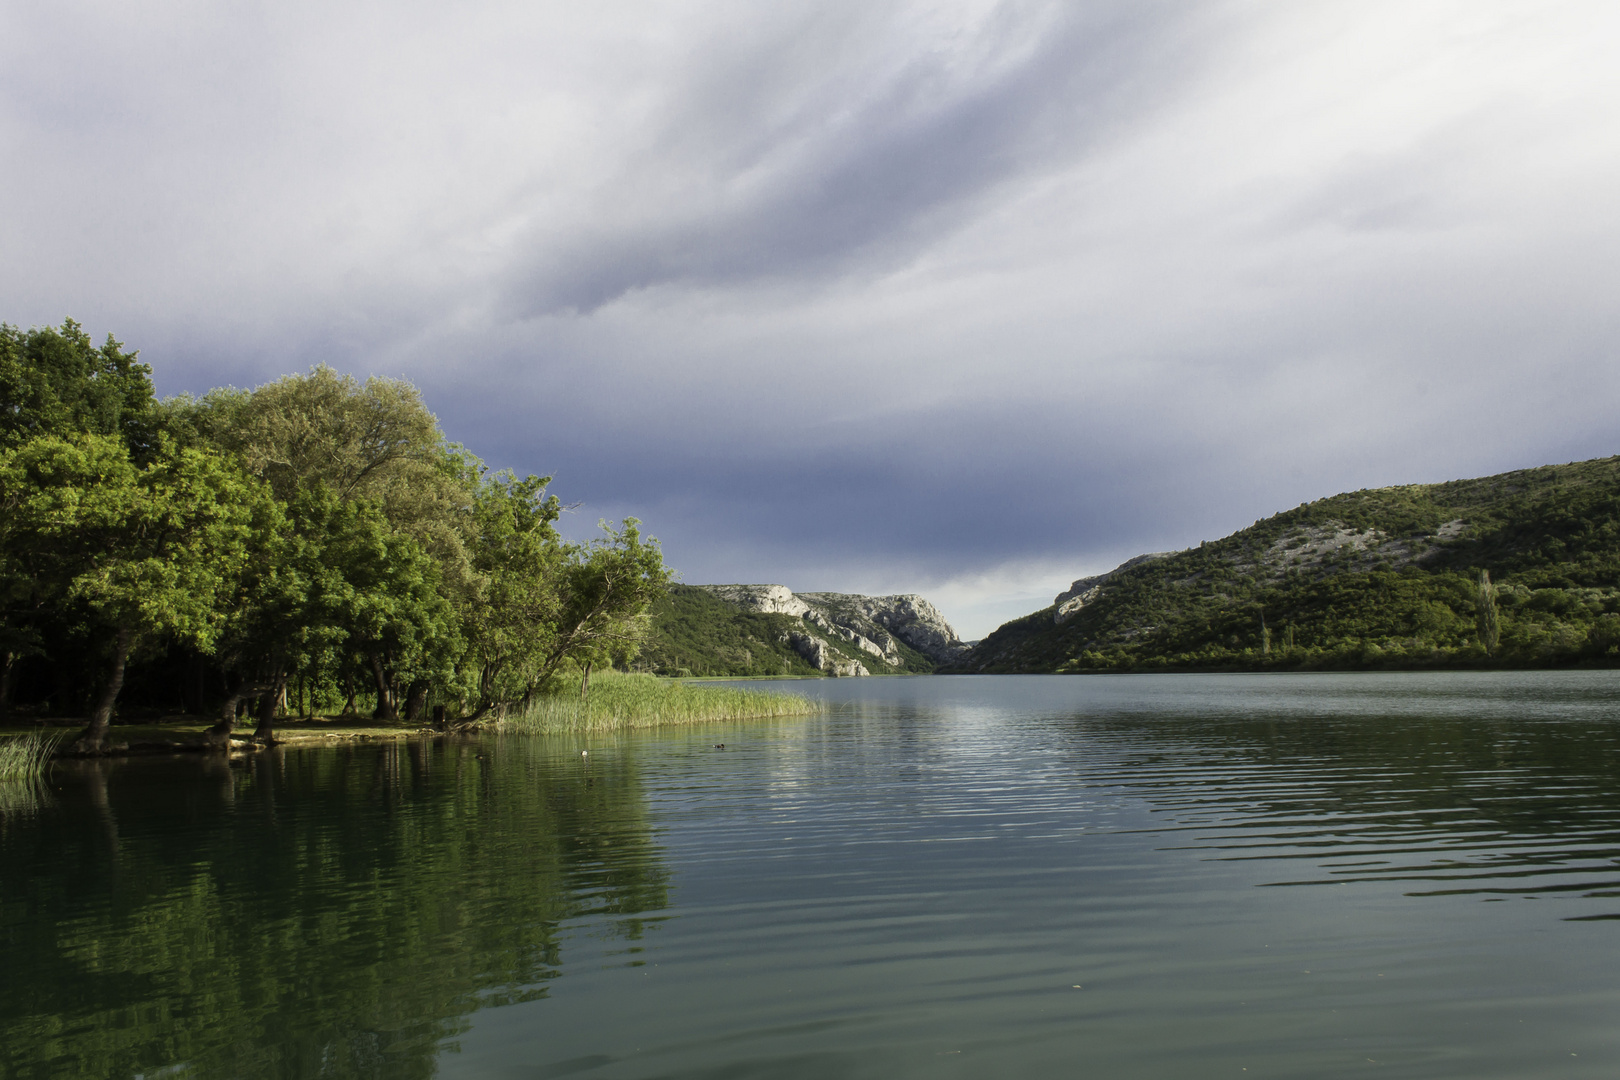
(183, 734)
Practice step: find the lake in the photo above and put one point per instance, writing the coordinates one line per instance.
(1413, 875)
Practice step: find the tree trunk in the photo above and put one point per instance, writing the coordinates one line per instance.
(385, 702)
(265, 733)
(93, 739)
(220, 734)
(348, 678)
(585, 683)
(194, 686)
(486, 686)
(416, 701)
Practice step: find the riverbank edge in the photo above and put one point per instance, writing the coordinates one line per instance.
(184, 734)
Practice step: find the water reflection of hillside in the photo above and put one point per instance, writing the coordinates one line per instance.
(335, 913)
(1447, 803)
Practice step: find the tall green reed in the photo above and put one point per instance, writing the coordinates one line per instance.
(25, 757)
(617, 701)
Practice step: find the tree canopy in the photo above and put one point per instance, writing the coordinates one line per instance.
(315, 541)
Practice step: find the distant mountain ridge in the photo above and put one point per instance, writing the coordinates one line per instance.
(770, 630)
(1389, 577)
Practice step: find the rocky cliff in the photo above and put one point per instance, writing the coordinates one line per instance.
(881, 629)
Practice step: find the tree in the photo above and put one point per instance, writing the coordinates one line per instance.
(1490, 620)
(374, 440)
(385, 597)
(510, 618)
(55, 382)
(609, 585)
(284, 614)
(26, 596)
(141, 553)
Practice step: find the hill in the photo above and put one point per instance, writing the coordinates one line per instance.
(743, 630)
(1390, 577)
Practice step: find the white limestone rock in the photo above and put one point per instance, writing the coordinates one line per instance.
(906, 616)
(872, 624)
(818, 655)
(769, 599)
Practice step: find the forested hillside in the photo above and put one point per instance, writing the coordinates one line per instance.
(1520, 569)
(314, 544)
(695, 632)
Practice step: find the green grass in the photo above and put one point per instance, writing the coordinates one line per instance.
(617, 701)
(25, 757)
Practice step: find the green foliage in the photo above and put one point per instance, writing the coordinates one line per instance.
(55, 382)
(374, 441)
(510, 621)
(317, 532)
(608, 588)
(1521, 569)
(133, 553)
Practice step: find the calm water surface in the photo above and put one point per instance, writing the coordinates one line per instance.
(1154, 876)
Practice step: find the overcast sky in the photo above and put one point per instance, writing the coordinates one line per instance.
(963, 298)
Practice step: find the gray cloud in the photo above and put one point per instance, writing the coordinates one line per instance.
(864, 174)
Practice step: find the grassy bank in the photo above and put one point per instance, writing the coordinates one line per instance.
(618, 701)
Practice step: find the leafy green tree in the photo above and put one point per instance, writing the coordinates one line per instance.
(56, 382)
(609, 587)
(511, 617)
(374, 440)
(287, 613)
(316, 526)
(143, 553)
(386, 599)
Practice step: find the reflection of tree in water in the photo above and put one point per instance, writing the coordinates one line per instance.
(1440, 804)
(334, 913)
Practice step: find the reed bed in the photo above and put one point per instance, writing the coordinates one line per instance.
(25, 757)
(617, 701)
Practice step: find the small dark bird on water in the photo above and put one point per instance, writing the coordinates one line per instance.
(719, 746)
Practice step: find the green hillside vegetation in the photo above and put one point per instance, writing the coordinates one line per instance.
(695, 633)
(1516, 570)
